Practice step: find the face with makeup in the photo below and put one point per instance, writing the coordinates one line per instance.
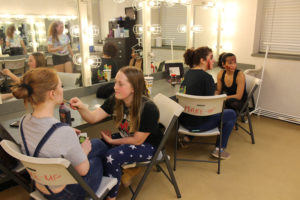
(210, 61)
(230, 64)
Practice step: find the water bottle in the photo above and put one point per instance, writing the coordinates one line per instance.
(65, 114)
(173, 79)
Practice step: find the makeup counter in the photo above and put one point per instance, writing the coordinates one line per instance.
(12, 111)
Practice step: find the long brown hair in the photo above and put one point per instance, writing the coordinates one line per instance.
(52, 30)
(10, 31)
(39, 59)
(34, 85)
(136, 79)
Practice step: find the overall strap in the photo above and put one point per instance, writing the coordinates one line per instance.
(23, 137)
(47, 136)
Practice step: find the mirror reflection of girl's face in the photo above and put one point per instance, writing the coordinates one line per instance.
(230, 64)
(31, 62)
(60, 29)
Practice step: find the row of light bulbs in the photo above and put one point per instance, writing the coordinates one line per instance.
(20, 17)
(138, 4)
(156, 29)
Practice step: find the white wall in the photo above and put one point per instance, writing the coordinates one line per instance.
(39, 7)
(280, 90)
(110, 10)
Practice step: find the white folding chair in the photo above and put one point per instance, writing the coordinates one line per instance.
(55, 172)
(169, 112)
(252, 84)
(17, 66)
(201, 106)
(69, 80)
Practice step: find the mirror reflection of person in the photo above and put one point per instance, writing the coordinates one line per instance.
(59, 46)
(14, 42)
(109, 51)
(34, 60)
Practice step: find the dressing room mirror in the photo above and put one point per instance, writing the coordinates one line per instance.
(31, 22)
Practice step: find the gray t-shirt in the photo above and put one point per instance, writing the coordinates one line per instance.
(63, 141)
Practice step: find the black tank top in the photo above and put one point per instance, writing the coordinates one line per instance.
(232, 89)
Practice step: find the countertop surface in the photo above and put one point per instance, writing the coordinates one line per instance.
(159, 86)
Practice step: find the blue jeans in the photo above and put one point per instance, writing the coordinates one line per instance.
(92, 178)
(229, 118)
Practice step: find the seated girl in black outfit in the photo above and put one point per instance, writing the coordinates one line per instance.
(109, 51)
(198, 82)
(231, 81)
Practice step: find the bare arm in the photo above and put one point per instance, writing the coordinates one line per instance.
(7, 43)
(23, 46)
(7, 72)
(240, 81)
(137, 139)
(52, 49)
(70, 50)
(6, 96)
(219, 83)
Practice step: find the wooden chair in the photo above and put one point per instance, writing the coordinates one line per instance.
(169, 112)
(55, 172)
(252, 84)
(201, 106)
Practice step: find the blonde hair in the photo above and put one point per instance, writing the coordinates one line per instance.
(52, 30)
(34, 85)
(136, 79)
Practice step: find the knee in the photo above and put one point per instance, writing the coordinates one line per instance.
(230, 114)
(99, 144)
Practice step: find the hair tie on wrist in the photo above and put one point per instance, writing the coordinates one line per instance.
(28, 87)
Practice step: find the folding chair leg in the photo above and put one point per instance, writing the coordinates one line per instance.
(250, 128)
(175, 150)
(171, 174)
(13, 176)
(141, 183)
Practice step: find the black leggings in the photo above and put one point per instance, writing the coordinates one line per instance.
(234, 104)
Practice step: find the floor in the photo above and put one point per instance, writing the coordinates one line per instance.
(267, 170)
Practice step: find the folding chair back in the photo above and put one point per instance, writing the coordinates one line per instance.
(51, 171)
(16, 65)
(201, 105)
(167, 109)
(252, 83)
(45, 171)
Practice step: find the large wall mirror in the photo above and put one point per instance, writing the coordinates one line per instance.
(31, 20)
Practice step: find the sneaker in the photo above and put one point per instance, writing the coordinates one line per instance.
(224, 155)
(183, 141)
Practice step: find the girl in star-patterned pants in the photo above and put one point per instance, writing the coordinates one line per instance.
(125, 154)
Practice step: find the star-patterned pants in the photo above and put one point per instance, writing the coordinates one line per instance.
(125, 154)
